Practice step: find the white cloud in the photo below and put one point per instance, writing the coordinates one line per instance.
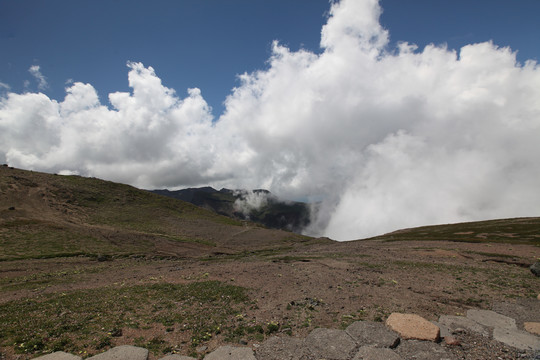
(388, 138)
(249, 200)
(36, 73)
(4, 86)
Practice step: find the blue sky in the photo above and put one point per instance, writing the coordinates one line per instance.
(206, 43)
(386, 136)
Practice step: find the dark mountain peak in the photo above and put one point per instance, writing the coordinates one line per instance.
(257, 205)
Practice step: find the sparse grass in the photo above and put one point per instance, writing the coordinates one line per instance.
(33, 239)
(491, 254)
(76, 319)
(46, 279)
(511, 231)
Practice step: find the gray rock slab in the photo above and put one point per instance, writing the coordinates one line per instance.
(330, 344)
(516, 338)
(491, 319)
(177, 357)
(231, 353)
(374, 353)
(445, 330)
(281, 348)
(453, 322)
(124, 352)
(522, 310)
(423, 350)
(59, 355)
(372, 334)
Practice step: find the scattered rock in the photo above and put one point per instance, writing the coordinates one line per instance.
(412, 326)
(201, 349)
(231, 353)
(516, 338)
(375, 353)
(124, 352)
(444, 330)
(422, 350)
(372, 334)
(532, 327)
(11, 208)
(59, 355)
(330, 343)
(458, 324)
(535, 268)
(281, 348)
(491, 319)
(177, 357)
(452, 341)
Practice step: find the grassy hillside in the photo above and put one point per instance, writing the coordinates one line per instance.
(44, 215)
(511, 231)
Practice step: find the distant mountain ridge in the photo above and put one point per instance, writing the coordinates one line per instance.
(257, 205)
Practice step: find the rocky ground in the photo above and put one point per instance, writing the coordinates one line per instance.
(327, 286)
(405, 336)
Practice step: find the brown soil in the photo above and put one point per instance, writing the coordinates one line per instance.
(340, 282)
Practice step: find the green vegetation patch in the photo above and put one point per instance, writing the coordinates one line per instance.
(34, 239)
(511, 231)
(88, 320)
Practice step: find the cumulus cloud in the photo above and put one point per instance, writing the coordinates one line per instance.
(384, 137)
(249, 200)
(36, 73)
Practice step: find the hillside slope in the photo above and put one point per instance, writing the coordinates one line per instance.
(510, 231)
(44, 215)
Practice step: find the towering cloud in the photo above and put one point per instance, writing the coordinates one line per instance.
(385, 137)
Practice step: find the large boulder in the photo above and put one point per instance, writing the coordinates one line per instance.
(535, 268)
(412, 326)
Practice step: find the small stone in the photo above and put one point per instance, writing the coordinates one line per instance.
(243, 342)
(452, 341)
(532, 327)
(124, 352)
(177, 357)
(373, 353)
(538, 297)
(279, 348)
(330, 343)
(422, 350)
(372, 334)
(59, 355)
(412, 326)
(231, 353)
(535, 268)
(462, 325)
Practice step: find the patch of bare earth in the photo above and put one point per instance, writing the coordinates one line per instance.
(305, 287)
